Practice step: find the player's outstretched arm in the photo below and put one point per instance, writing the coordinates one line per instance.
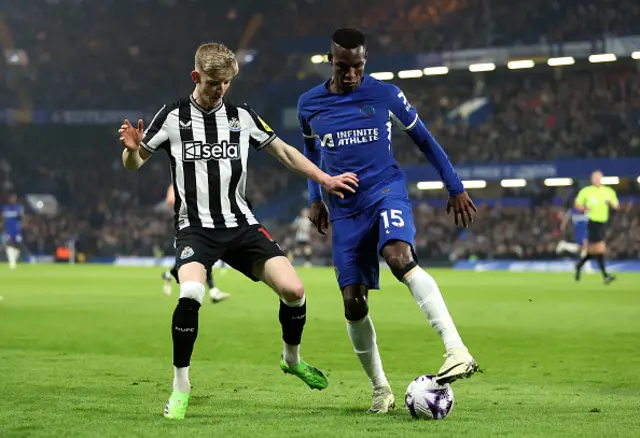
(133, 156)
(312, 152)
(297, 162)
(406, 117)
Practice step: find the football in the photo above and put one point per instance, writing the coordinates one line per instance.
(426, 400)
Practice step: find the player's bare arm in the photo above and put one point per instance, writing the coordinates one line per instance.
(297, 162)
(171, 196)
(133, 156)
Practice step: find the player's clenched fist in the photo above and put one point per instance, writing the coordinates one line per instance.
(319, 216)
(464, 210)
(336, 185)
(131, 137)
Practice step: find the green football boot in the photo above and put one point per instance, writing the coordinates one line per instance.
(176, 406)
(313, 377)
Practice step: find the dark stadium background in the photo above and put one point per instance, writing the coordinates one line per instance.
(68, 79)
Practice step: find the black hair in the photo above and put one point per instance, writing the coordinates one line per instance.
(349, 38)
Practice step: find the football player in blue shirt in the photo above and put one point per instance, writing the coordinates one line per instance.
(580, 222)
(346, 122)
(12, 213)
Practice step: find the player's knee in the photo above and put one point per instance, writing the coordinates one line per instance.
(356, 305)
(292, 292)
(398, 255)
(400, 263)
(192, 290)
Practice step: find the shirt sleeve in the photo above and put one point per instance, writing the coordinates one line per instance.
(307, 131)
(260, 134)
(401, 112)
(156, 133)
(311, 151)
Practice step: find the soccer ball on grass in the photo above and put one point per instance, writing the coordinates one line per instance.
(426, 400)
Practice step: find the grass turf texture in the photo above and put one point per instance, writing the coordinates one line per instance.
(86, 351)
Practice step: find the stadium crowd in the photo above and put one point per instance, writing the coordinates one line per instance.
(585, 113)
(592, 113)
(77, 61)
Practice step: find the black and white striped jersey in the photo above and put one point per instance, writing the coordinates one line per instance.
(208, 151)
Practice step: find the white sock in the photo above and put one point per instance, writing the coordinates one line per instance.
(573, 248)
(12, 256)
(291, 353)
(363, 338)
(181, 379)
(427, 294)
(583, 253)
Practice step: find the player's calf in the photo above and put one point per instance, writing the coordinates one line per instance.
(425, 291)
(184, 331)
(278, 274)
(363, 338)
(293, 308)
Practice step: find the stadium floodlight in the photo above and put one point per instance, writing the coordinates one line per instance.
(474, 184)
(382, 75)
(483, 66)
(516, 182)
(432, 71)
(602, 57)
(523, 63)
(564, 60)
(610, 180)
(430, 185)
(635, 55)
(638, 180)
(410, 74)
(558, 182)
(317, 59)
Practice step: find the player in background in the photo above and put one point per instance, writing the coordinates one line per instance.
(581, 243)
(208, 140)
(12, 213)
(596, 201)
(579, 221)
(302, 227)
(346, 122)
(215, 294)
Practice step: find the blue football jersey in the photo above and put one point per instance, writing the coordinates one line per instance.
(353, 131)
(12, 215)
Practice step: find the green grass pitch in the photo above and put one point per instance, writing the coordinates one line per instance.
(86, 351)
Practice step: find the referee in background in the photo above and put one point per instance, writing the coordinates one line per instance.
(596, 200)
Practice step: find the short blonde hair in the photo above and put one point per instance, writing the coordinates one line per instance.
(216, 60)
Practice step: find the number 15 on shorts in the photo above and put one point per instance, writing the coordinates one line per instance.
(392, 217)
